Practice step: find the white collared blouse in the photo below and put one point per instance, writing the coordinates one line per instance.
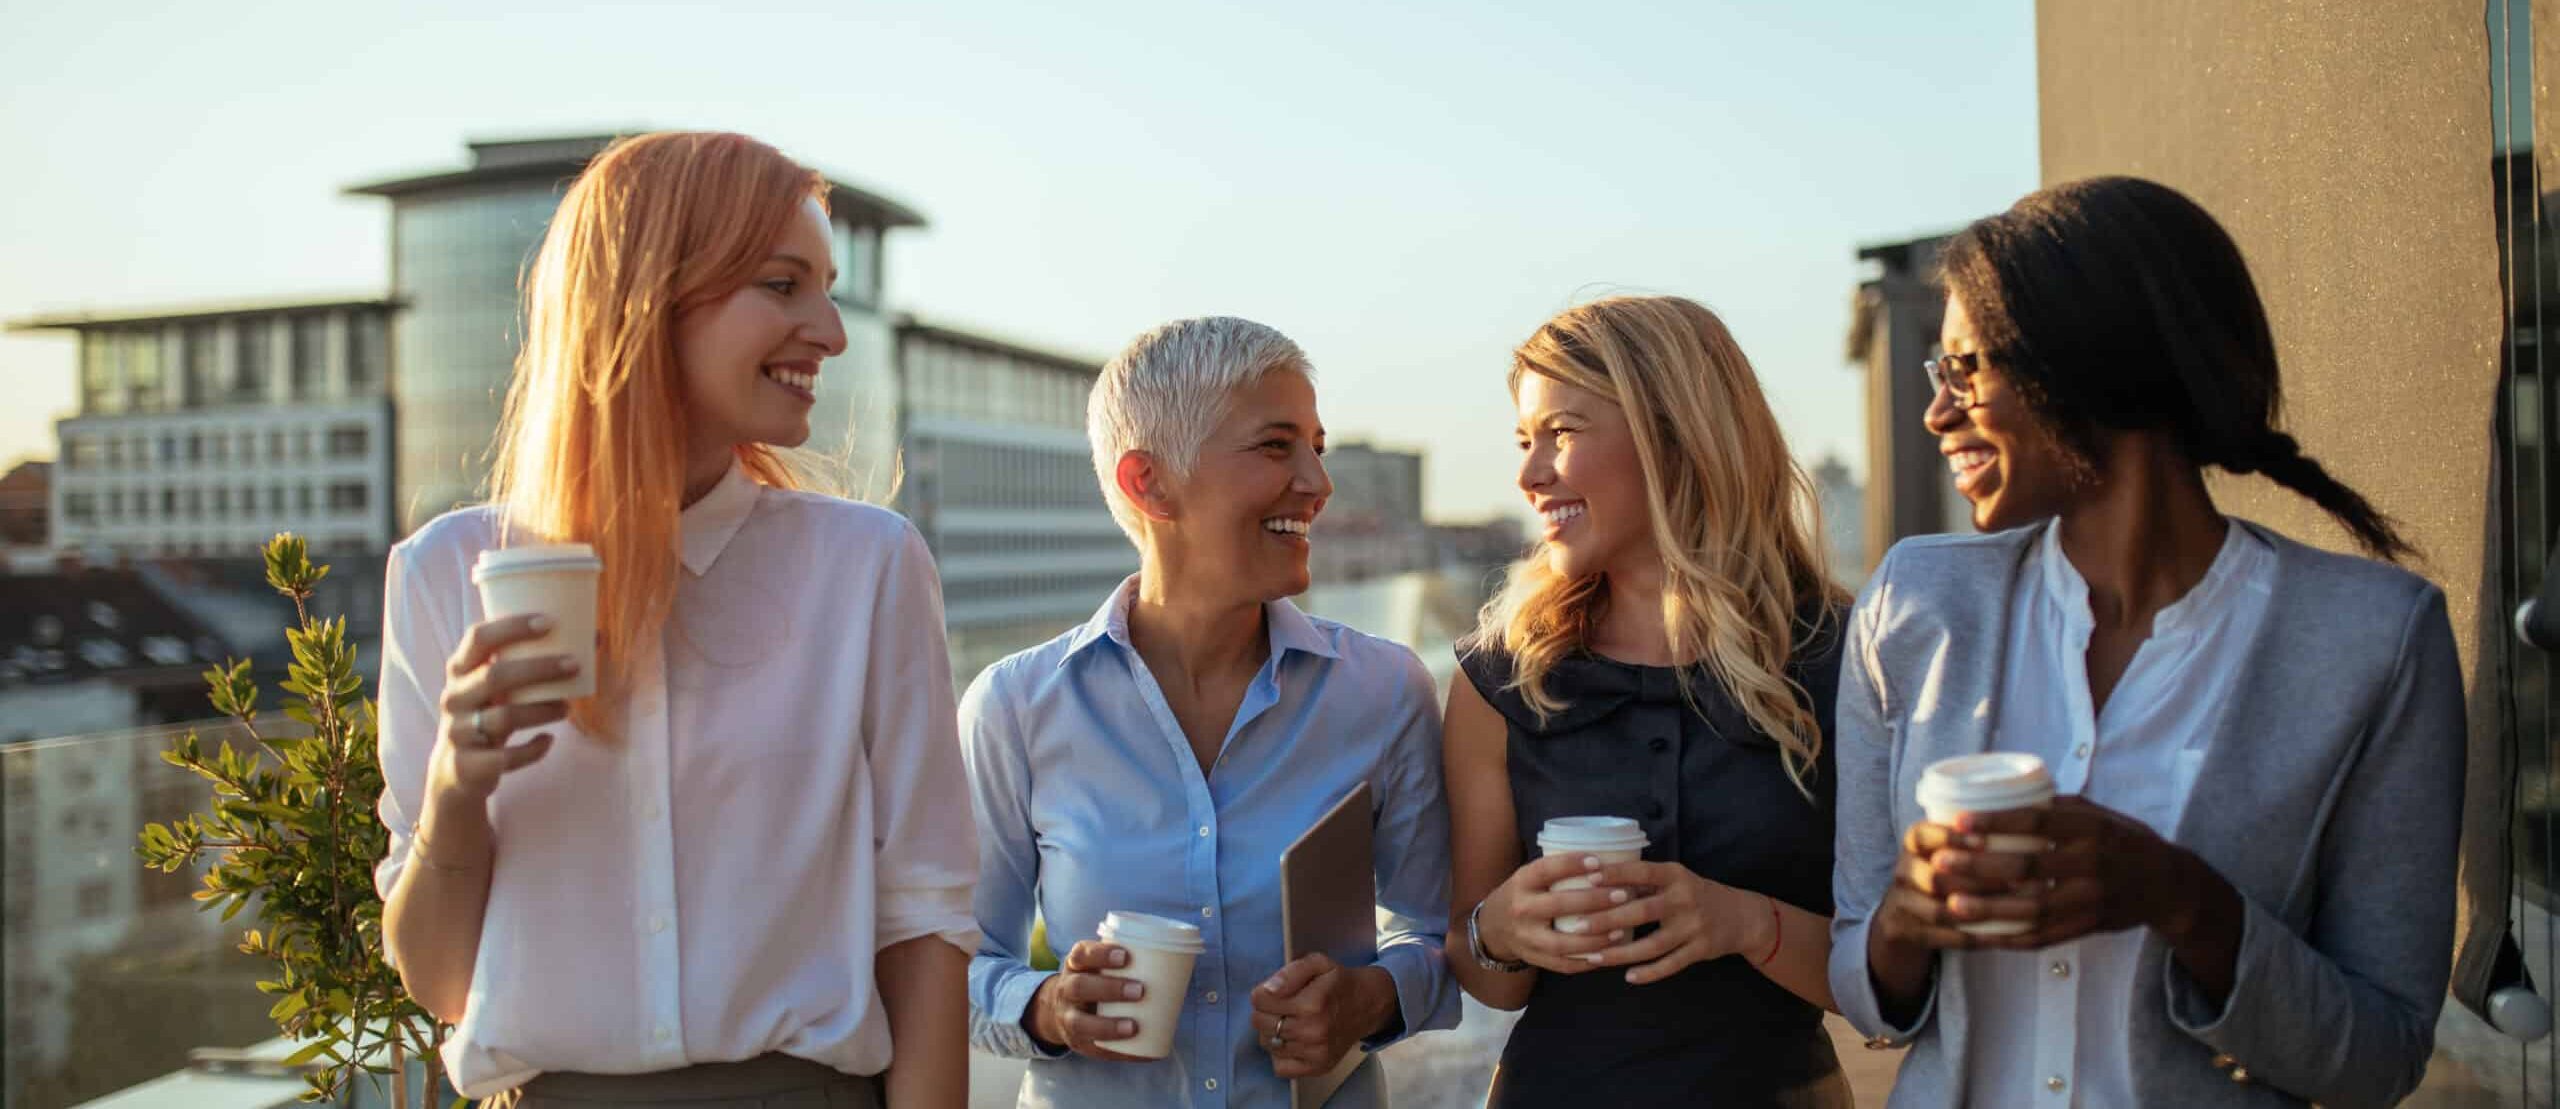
(787, 799)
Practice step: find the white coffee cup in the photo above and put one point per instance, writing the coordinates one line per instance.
(557, 581)
(1615, 839)
(1994, 782)
(1161, 952)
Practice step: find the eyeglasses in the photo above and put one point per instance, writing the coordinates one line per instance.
(1953, 373)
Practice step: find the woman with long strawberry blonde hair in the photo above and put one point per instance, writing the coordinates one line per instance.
(740, 873)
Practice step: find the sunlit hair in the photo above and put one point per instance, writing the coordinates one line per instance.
(592, 446)
(1733, 517)
(1165, 393)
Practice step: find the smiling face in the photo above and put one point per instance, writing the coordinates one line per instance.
(1579, 468)
(749, 361)
(2003, 458)
(1244, 511)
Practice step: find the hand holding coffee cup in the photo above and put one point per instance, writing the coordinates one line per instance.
(1966, 786)
(1517, 920)
(2105, 872)
(1120, 997)
(482, 707)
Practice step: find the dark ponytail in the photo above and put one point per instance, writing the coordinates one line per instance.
(2117, 304)
(2282, 461)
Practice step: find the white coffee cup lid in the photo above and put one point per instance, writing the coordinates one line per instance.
(1147, 930)
(549, 556)
(1986, 782)
(1592, 833)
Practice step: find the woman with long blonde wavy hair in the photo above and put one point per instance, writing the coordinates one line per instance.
(1667, 656)
(739, 873)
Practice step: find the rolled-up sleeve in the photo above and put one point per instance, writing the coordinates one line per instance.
(415, 640)
(1865, 843)
(925, 852)
(1001, 978)
(1412, 853)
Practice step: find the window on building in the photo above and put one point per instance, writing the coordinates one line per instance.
(197, 349)
(168, 504)
(139, 352)
(347, 496)
(195, 504)
(97, 898)
(302, 500)
(347, 441)
(275, 446)
(310, 355)
(99, 385)
(218, 446)
(221, 503)
(245, 447)
(275, 500)
(80, 508)
(257, 359)
(856, 252)
(115, 504)
(302, 445)
(168, 450)
(368, 352)
(82, 452)
(195, 446)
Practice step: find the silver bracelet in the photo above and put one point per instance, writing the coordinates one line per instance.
(1485, 959)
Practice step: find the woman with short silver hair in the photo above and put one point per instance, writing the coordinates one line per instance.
(1159, 758)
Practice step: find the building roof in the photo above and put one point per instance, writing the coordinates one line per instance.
(908, 323)
(86, 319)
(555, 159)
(215, 1078)
(92, 623)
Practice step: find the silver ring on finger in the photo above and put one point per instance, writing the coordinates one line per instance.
(480, 736)
(1280, 1031)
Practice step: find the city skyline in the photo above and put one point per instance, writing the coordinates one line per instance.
(1406, 193)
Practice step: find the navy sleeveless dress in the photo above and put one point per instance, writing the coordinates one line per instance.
(1711, 794)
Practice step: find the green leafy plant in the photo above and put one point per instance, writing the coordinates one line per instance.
(292, 834)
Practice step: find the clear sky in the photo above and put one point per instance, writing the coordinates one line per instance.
(1407, 189)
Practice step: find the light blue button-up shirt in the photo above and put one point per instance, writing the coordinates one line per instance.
(1089, 800)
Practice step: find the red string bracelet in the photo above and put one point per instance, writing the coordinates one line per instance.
(1777, 934)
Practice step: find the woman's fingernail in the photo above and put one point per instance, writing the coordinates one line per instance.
(1132, 990)
(1271, 983)
(1591, 862)
(1617, 897)
(568, 666)
(1617, 936)
(1119, 958)
(1127, 1028)
(539, 623)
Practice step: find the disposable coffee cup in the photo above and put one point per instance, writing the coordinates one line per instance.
(1161, 952)
(1995, 782)
(1615, 839)
(557, 581)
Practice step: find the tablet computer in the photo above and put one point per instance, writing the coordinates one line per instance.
(1329, 904)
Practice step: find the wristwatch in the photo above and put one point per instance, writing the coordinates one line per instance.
(1475, 946)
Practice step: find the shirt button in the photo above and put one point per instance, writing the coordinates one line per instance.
(2239, 1074)
(1659, 744)
(1211, 997)
(1204, 831)
(1208, 910)
(1211, 1084)
(657, 924)
(2080, 752)
(2055, 1084)
(2060, 968)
